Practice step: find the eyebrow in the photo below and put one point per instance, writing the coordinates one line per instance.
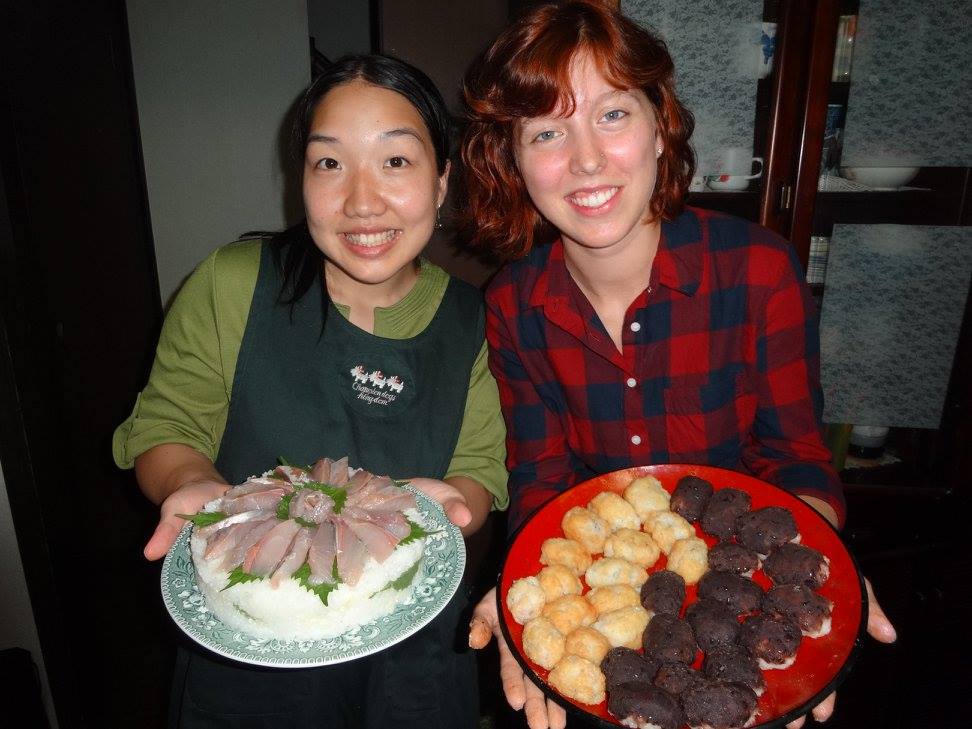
(402, 132)
(543, 118)
(390, 134)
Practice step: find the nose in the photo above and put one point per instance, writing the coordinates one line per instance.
(363, 198)
(586, 158)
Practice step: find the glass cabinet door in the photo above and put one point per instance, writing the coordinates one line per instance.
(890, 249)
(724, 54)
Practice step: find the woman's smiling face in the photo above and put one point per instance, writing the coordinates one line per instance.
(371, 185)
(592, 174)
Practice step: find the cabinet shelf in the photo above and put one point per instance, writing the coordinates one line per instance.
(743, 204)
(937, 199)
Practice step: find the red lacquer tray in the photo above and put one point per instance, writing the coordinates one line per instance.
(821, 663)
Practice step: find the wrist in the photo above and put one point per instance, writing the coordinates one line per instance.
(823, 508)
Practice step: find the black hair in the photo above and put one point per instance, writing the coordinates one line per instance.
(296, 255)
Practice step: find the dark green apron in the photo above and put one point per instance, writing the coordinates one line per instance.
(394, 407)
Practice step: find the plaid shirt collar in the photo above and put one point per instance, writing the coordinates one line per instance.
(678, 264)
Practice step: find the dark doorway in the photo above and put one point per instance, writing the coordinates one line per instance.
(80, 312)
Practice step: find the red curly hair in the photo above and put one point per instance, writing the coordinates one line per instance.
(525, 74)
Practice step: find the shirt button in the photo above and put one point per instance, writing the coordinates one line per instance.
(636, 439)
(632, 382)
(635, 326)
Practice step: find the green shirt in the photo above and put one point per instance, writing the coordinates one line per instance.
(188, 393)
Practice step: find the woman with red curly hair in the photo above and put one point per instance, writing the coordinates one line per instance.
(628, 329)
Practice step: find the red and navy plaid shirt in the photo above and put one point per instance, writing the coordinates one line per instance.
(720, 366)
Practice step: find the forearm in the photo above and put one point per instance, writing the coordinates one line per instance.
(823, 508)
(478, 500)
(162, 470)
(787, 446)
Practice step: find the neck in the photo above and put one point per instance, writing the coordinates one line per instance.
(618, 273)
(363, 298)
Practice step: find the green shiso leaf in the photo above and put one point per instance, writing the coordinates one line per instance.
(417, 532)
(203, 518)
(283, 506)
(404, 579)
(338, 494)
(323, 590)
(237, 576)
(284, 462)
(305, 523)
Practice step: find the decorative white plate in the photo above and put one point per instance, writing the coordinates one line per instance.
(443, 562)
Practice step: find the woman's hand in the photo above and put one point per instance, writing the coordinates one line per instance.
(521, 693)
(180, 480)
(188, 499)
(453, 503)
(465, 502)
(880, 628)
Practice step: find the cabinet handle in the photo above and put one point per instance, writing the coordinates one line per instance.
(786, 197)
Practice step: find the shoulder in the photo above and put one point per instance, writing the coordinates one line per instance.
(463, 297)
(727, 232)
(223, 283)
(515, 281)
(237, 262)
(741, 243)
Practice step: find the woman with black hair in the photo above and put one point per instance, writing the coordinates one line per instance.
(256, 361)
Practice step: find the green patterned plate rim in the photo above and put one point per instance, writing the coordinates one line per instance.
(443, 563)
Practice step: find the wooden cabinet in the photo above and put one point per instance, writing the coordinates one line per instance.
(793, 201)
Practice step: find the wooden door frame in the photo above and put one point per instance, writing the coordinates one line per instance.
(806, 37)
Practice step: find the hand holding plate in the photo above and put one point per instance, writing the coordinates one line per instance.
(188, 499)
(879, 628)
(449, 497)
(521, 693)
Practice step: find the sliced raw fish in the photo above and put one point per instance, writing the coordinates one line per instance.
(255, 485)
(210, 529)
(224, 541)
(234, 556)
(379, 543)
(351, 554)
(339, 472)
(311, 505)
(387, 497)
(402, 501)
(263, 500)
(264, 556)
(357, 482)
(295, 558)
(361, 492)
(320, 556)
(321, 471)
(291, 474)
(393, 522)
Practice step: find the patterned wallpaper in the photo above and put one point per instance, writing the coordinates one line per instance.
(911, 84)
(716, 48)
(892, 309)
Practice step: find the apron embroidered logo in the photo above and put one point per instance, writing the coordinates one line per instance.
(376, 387)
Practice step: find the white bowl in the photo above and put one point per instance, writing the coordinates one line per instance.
(880, 178)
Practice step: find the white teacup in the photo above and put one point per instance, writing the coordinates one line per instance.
(736, 161)
(734, 169)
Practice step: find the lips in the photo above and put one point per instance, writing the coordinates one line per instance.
(594, 202)
(371, 239)
(592, 199)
